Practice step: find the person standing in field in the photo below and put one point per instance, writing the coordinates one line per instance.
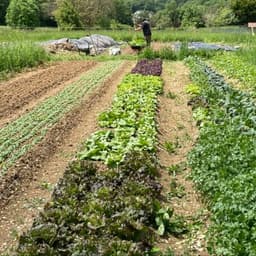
(145, 27)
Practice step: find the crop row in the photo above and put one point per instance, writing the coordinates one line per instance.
(101, 211)
(98, 212)
(129, 124)
(148, 67)
(223, 161)
(21, 135)
(236, 68)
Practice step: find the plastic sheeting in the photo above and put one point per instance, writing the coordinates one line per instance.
(206, 46)
(84, 44)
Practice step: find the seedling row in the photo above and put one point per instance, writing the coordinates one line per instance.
(20, 136)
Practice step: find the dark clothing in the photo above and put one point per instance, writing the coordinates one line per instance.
(146, 31)
(146, 28)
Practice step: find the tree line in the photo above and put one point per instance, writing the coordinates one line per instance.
(74, 14)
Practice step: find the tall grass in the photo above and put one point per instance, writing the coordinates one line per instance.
(16, 56)
(248, 54)
(232, 35)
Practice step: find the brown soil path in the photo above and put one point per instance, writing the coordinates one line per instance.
(48, 161)
(176, 126)
(22, 93)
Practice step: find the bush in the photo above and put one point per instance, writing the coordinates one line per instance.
(15, 56)
(66, 16)
(23, 14)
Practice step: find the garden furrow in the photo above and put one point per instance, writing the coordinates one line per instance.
(177, 135)
(24, 92)
(16, 137)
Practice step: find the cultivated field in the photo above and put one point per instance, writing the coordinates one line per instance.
(144, 153)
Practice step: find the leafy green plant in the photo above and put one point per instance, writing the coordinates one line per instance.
(171, 95)
(223, 162)
(162, 220)
(175, 169)
(171, 147)
(23, 14)
(193, 89)
(176, 190)
(132, 117)
(95, 212)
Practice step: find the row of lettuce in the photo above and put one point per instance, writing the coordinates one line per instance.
(98, 210)
(223, 161)
(21, 135)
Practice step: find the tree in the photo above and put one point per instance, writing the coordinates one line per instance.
(47, 8)
(23, 14)
(192, 16)
(3, 7)
(122, 12)
(245, 10)
(225, 17)
(66, 15)
(93, 12)
(169, 16)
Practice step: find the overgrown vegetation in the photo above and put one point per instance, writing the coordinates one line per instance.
(16, 56)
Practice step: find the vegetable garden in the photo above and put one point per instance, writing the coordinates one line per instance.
(114, 194)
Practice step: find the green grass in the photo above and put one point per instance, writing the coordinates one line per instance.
(234, 35)
(18, 50)
(16, 56)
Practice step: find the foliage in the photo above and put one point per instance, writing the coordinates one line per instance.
(122, 12)
(47, 8)
(223, 163)
(162, 220)
(20, 136)
(3, 8)
(67, 16)
(225, 17)
(193, 89)
(131, 116)
(237, 67)
(137, 43)
(165, 53)
(148, 67)
(16, 56)
(23, 14)
(168, 17)
(244, 10)
(98, 213)
(192, 16)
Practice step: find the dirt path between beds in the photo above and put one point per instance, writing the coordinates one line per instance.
(178, 133)
(19, 95)
(48, 160)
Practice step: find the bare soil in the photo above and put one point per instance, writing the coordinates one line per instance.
(22, 93)
(177, 127)
(30, 185)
